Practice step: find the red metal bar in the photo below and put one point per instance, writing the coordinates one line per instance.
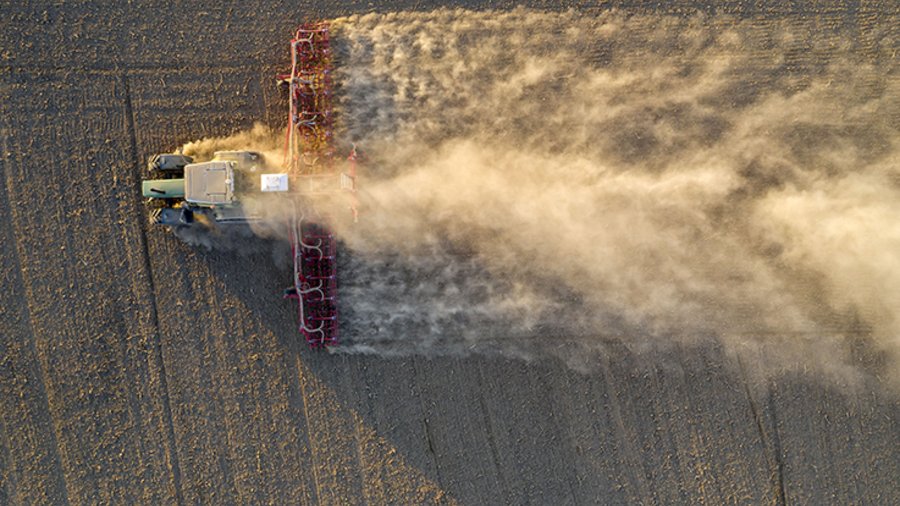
(310, 152)
(315, 283)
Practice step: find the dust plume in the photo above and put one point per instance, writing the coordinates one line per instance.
(260, 138)
(544, 181)
(553, 183)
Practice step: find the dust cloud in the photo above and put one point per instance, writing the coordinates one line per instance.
(260, 138)
(553, 183)
(543, 181)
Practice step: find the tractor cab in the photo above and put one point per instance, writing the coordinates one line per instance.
(209, 183)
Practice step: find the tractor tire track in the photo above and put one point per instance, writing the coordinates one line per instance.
(147, 292)
(36, 470)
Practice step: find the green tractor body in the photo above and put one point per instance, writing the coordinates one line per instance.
(214, 189)
(163, 188)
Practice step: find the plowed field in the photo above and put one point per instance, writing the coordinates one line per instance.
(135, 369)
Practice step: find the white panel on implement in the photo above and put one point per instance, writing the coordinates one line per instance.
(274, 182)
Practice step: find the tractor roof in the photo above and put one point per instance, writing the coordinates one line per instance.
(209, 183)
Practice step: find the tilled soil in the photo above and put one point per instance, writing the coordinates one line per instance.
(134, 368)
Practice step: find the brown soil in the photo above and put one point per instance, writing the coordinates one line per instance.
(136, 369)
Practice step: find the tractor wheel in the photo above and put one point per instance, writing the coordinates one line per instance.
(166, 174)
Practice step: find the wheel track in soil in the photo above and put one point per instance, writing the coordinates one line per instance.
(27, 358)
(158, 362)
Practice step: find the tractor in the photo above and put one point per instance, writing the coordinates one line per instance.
(237, 187)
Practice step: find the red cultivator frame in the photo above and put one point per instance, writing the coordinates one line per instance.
(315, 282)
(310, 161)
(309, 142)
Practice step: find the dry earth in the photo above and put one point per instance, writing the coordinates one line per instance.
(135, 369)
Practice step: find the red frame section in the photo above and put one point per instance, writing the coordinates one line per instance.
(311, 132)
(315, 282)
(309, 154)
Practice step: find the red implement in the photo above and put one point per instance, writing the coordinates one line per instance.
(315, 282)
(310, 162)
